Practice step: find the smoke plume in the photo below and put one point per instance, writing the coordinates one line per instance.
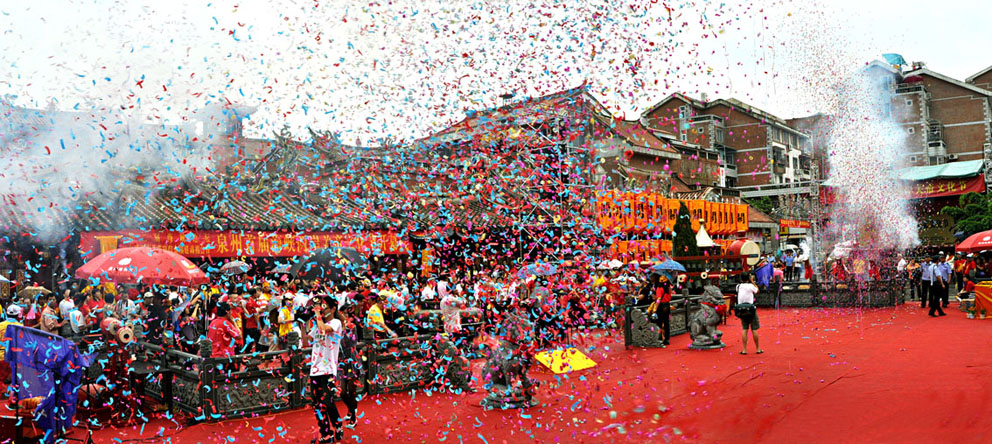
(55, 163)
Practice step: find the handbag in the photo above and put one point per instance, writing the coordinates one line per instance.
(745, 310)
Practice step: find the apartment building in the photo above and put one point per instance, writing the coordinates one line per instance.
(754, 151)
(945, 119)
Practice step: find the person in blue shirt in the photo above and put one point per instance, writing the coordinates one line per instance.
(939, 285)
(946, 271)
(789, 258)
(926, 281)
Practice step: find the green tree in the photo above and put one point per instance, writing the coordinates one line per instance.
(684, 243)
(973, 213)
(763, 204)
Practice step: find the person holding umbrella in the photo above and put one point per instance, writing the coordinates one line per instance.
(660, 309)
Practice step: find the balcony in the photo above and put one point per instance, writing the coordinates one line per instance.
(935, 131)
(779, 168)
(909, 88)
(729, 170)
(707, 118)
(936, 149)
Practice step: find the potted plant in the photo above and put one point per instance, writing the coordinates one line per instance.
(982, 314)
(971, 312)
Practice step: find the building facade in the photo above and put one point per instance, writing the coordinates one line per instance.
(731, 144)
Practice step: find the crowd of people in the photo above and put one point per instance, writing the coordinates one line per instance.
(932, 277)
(244, 316)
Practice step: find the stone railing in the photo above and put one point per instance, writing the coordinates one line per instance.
(639, 331)
(877, 293)
(209, 388)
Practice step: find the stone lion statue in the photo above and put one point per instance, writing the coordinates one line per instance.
(505, 372)
(702, 323)
(451, 367)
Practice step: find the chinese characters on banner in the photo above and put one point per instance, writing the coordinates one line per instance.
(789, 223)
(947, 187)
(237, 244)
(924, 189)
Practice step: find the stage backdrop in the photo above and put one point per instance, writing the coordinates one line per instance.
(200, 243)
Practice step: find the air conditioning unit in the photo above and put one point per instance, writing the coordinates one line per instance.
(952, 157)
(987, 147)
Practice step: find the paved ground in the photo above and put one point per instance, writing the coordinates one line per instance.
(828, 375)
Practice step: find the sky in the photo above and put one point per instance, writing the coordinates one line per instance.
(402, 69)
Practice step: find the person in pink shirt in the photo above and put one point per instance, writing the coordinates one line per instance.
(222, 333)
(778, 272)
(778, 275)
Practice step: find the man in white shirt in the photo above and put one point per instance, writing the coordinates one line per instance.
(901, 266)
(325, 331)
(66, 305)
(428, 293)
(747, 312)
(451, 307)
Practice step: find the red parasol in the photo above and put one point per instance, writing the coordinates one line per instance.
(142, 265)
(976, 242)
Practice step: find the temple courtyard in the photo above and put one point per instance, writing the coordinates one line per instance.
(827, 375)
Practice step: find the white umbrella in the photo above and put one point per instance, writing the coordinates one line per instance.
(614, 264)
(703, 239)
(3, 279)
(842, 250)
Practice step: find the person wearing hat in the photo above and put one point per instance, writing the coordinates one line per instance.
(325, 333)
(926, 281)
(939, 286)
(375, 320)
(14, 314)
(944, 269)
(222, 333)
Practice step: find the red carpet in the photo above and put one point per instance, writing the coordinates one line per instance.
(831, 375)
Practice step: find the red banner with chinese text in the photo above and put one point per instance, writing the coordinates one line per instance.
(924, 189)
(947, 187)
(197, 243)
(789, 223)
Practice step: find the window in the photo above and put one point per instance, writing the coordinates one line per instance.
(719, 135)
(684, 137)
(909, 102)
(683, 112)
(912, 159)
(912, 130)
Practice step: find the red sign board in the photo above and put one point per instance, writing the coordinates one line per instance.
(789, 223)
(199, 243)
(947, 187)
(924, 189)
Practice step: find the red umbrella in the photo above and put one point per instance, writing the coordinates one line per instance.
(976, 242)
(142, 265)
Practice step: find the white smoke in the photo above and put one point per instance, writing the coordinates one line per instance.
(55, 164)
(867, 149)
(828, 71)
